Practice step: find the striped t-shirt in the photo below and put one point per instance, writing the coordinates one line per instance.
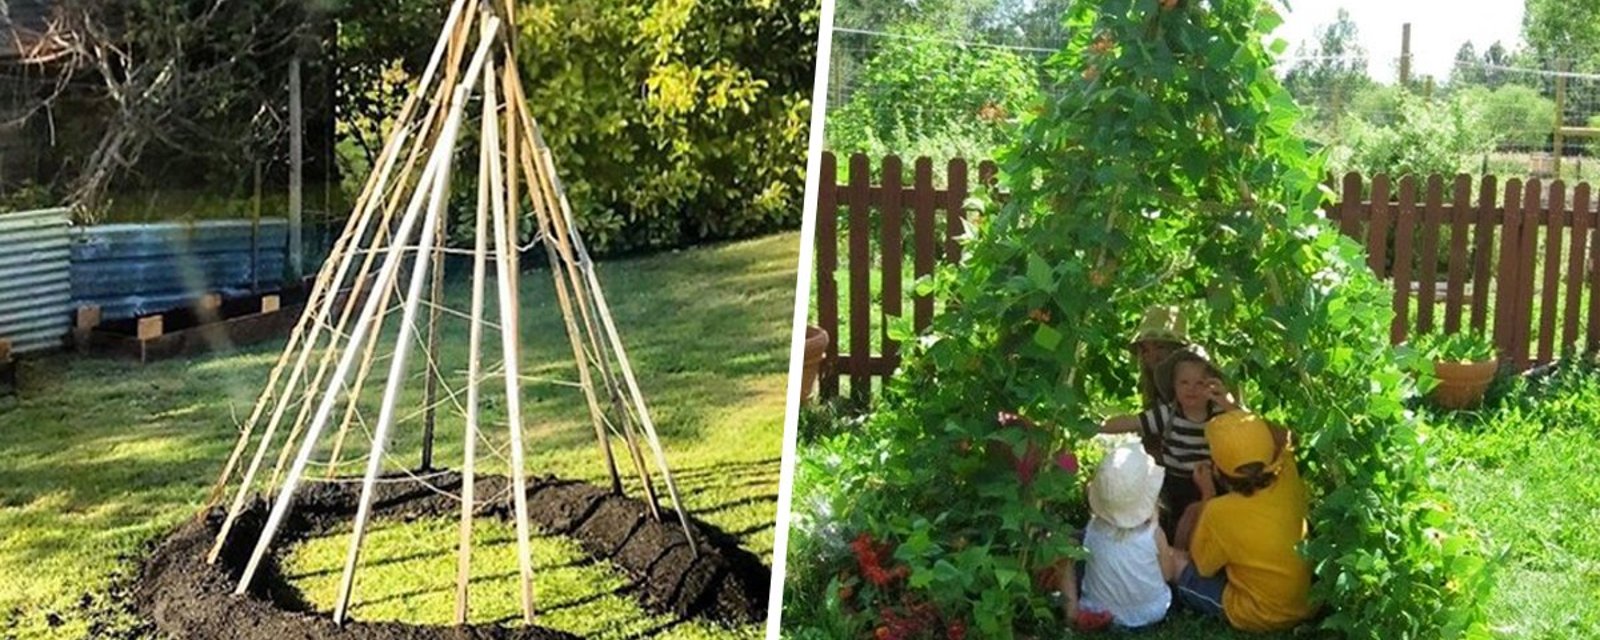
(1183, 441)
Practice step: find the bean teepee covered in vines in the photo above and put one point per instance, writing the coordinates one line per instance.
(1161, 168)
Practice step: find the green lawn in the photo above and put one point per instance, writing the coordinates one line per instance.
(102, 456)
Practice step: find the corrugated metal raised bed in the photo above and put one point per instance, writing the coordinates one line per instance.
(35, 279)
(129, 270)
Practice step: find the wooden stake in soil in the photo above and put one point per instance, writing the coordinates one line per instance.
(510, 345)
(469, 441)
(609, 324)
(386, 277)
(440, 194)
(324, 292)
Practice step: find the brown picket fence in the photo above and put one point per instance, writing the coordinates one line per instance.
(1513, 260)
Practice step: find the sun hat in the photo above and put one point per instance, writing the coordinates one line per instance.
(1126, 486)
(1239, 438)
(1163, 323)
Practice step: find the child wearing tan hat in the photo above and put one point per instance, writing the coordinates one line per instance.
(1241, 562)
(1124, 581)
(1161, 332)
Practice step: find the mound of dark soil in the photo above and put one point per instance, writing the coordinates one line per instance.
(187, 598)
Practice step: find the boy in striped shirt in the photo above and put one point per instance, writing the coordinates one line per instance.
(1197, 391)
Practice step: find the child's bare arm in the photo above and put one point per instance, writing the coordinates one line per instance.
(1121, 424)
(1067, 584)
(1167, 555)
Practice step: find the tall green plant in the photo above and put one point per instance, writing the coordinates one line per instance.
(1164, 171)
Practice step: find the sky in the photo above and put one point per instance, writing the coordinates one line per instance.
(1438, 27)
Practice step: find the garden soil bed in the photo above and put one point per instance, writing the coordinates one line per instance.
(185, 597)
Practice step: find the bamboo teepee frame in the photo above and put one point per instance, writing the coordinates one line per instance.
(349, 304)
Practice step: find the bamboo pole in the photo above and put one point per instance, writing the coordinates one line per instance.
(440, 189)
(627, 375)
(609, 324)
(386, 277)
(389, 271)
(431, 394)
(474, 355)
(431, 121)
(542, 195)
(439, 106)
(544, 208)
(324, 292)
(505, 264)
(330, 298)
(596, 415)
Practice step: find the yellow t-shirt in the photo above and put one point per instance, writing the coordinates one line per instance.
(1254, 538)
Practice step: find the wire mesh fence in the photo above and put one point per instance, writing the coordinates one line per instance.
(1502, 115)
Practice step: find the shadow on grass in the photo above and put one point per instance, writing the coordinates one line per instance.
(101, 456)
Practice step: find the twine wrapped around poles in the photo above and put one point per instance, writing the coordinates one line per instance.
(390, 251)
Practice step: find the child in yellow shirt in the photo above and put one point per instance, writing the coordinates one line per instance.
(1242, 564)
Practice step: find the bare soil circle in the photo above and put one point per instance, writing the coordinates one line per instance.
(183, 596)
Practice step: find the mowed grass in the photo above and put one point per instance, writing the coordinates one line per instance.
(415, 582)
(101, 457)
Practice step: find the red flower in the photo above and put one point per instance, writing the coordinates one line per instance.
(957, 630)
(1067, 461)
(876, 575)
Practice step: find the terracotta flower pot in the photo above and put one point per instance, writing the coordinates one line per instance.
(1461, 384)
(811, 366)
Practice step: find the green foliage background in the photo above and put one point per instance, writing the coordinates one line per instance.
(916, 88)
(675, 121)
(1188, 186)
(671, 122)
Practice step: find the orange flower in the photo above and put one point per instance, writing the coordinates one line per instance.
(1102, 43)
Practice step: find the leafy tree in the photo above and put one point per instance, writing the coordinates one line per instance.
(1420, 136)
(1468, 69)
(383, 46)
(188, 89)
(1517, 115)
(714, 147)
(1557, 29)
(1165, 171)
(1331, 71)
(1494, 59)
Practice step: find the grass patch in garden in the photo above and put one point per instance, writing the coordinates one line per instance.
(416, 582)
(103, 456)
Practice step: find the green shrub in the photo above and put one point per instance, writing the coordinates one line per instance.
(1515, 115)
(1420, 137)
(1166, 172)
(916, 89)
(677, 121)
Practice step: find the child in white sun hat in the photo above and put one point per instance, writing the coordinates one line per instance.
(1124, 581)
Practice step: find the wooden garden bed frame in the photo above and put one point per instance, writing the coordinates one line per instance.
(210, 324)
